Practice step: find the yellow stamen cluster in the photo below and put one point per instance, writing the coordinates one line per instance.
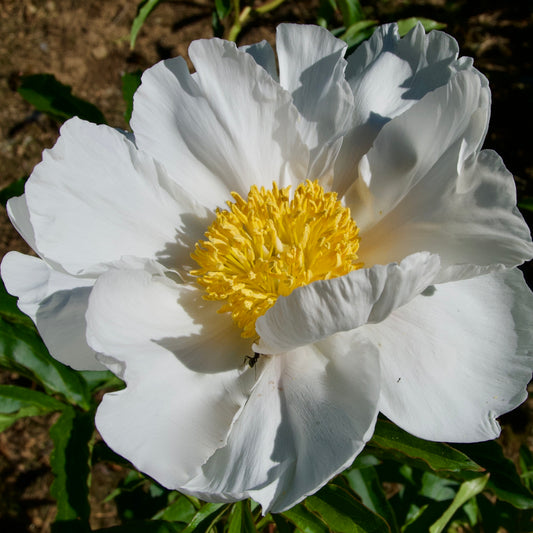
(270, 244)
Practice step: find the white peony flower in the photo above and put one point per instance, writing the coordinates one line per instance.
(271, 259)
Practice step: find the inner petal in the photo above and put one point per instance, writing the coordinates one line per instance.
(271, 243)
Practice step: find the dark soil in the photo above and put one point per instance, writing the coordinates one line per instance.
(85, 44)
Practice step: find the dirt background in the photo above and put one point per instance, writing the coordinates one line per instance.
(85, 44)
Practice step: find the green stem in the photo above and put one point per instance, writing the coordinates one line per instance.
(242, 18)
(268, 7)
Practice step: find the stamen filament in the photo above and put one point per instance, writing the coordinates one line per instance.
(268, 245)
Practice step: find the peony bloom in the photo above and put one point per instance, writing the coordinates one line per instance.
(271, 258)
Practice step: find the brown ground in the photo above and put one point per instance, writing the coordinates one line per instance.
(84, 43)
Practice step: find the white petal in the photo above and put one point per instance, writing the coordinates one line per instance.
(387, 76)
(310, 413)
(424, 186)
(311, 66)
(95, 198)
(173, 122)
(457, 357)
(448, 124)
(223, 129)
(182, 363)
(57, 303)
(470, 219)
(322, 308)
(18, 212)
(264, 56)
(265, 141)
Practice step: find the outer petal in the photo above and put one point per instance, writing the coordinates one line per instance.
(57, 303)
(223, 129)
(427, 187)
(387, 76)
(457, 357)
(472, 221)
(264, 113)
(310, 413)
(183, 372)
(447, 125)
(264, 56)
(312, 68)
(323, 308)
(95, 198)
(420, 63)
(17, 209)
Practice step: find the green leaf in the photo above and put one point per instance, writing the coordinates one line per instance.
(365, 459)
(101, 379)
(70, 460)
(406, 25)
(216, 25)
(471, 510)
(351, 11)
(138, 498)
(142, 526)
(526, 465)
(18, 402)
(504, 480)
(326, 13)
(343, 513)
(241, 519)
(130, 83)
(437, 488)
(50, 96)
(143, 10)
(358, 32)
(413, 514)
(206, 517)
(366, 484)
(526, 203)
(468, 490)
(305, 520)
(406, 448)
(421, 518)
(282, 524)
(9, 310)
(223, 8)
(14, 189)
(180, 510)
(23, 351)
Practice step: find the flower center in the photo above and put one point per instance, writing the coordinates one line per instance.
(268, 245)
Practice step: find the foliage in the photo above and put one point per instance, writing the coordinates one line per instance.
(50, 96)
(130, 83)
(229, 17)
(143, 10)
(399, 483)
